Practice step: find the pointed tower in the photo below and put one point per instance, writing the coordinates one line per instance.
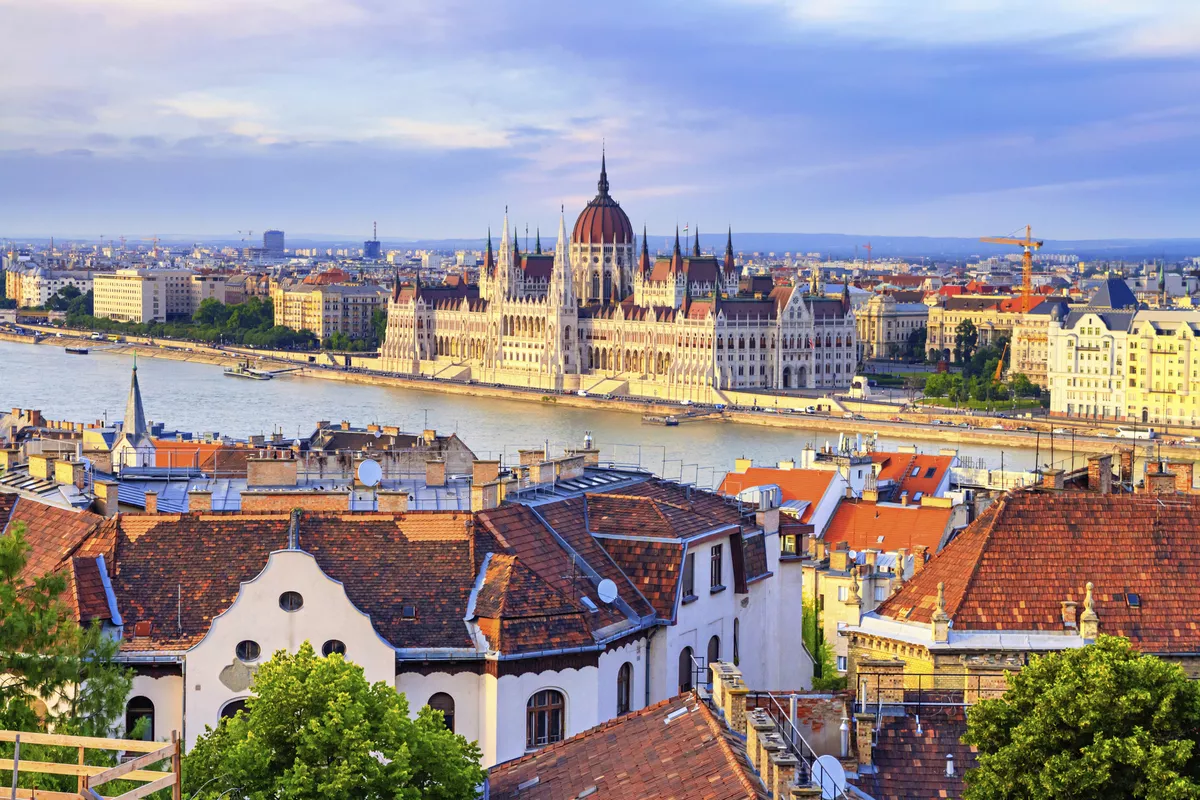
(562, 285)
(135, 418)
(504, 263)
(696, 244)
(644, 259)
(730, 269)
(676, 254)
(562, 313)
(538, 241)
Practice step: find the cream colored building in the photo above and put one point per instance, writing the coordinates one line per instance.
(32, 286)
(984, 312)
(1029, 352)
(884, 325)
(154, 295)
(1087, 347)
(327, 309)
(673, 327)
(1163, 386)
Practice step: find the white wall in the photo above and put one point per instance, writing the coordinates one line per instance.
(166, 693)
(465, 687)
(215, 676)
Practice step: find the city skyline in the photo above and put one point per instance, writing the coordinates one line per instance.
(767, 116)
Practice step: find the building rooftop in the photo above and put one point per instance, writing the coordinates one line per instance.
(887, 527)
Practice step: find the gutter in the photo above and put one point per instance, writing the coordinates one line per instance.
(109, 595)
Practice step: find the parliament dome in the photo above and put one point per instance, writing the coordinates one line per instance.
(603, 221)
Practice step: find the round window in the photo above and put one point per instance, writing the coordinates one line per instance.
(333, 646)
(248, 650)
(595, 259)
(291, 601)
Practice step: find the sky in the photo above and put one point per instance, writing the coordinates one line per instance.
(886, 117)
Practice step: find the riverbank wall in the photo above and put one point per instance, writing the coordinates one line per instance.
(906, 426)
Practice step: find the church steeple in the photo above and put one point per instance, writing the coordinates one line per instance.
(696, 244)
(676, 255)
(539, 241)
(489, 261)
(729, 265)
(644, 258)
(134, 425)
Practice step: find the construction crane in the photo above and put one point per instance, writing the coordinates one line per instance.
(868, 248)
(1000, 364)
(1029, 244)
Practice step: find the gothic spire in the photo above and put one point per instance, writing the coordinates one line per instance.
(517, 246)
(729, 251)
(644, 259)
(696, 245)
(539, 240)
(489, 261)
(676, 255)
(602, 185)
(134, 426)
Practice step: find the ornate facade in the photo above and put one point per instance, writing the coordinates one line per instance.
(596, 317)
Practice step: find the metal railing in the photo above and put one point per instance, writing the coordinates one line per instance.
(876, 691)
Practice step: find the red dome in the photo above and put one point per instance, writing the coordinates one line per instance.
(603, 221)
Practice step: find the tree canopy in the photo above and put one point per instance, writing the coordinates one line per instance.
(1093, 723)
(317, 729)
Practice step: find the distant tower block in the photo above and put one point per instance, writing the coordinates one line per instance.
(273, 242)
(372, 250)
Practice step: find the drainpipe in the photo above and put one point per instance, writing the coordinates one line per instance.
(649, 638)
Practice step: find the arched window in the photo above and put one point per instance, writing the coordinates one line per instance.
(544, 719)
(685, 670)
(136, 710)
(333, 646)
(624, 688)
(444, 703)
(714, 649)
(232, 708)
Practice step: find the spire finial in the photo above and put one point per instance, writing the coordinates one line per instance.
(1089, 620)
(603, 184)
(645, 247)
(539, 240)
(696, 243)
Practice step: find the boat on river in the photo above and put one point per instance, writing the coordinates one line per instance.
(78, 351)
(244, 370)
(670, 420)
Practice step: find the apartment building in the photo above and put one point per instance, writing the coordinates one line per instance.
(327, 309)
(884, 325)
(32, 286)
(154, 295)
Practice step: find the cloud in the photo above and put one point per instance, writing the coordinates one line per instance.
(442, 135)
(201, 105)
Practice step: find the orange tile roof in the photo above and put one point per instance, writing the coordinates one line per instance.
(635, 756)
(794, 484)
(1013, 567)
(886, 527)
(898, 468)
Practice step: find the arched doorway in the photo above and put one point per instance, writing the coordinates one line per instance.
(685, 670)
(801, 378)
(714, 653)
(787, 377)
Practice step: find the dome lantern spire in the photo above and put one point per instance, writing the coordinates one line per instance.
(602, 185)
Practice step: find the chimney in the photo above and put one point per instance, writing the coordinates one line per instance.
(1184, 476)
(864, 729)
(151, 501)
(901, 562)
(740, 465)
(373, 428)
(484, 472)
(839, 557)
(819, 552)
(345, 425)
(391, 430)
(872, 558)
(787, 465)
(1068, 614)
(920, 556)
(1127, 454)
(429, 435)
(1100, 473)
(435, 473)
(106, 497)
(1052, 479)
(1158, 480)
(324, 423)
(904, 498)
(200, 500)
(392, 501)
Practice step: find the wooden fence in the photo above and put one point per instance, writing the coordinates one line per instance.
(90, 777)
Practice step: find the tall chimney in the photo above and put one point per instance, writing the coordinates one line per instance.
(151, 501)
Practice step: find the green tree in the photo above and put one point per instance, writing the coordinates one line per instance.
(1093, 723)
(966, 337)
(317, 729)
(211, 311)
(379, 324)
(916, 343)
(58, 677)
(937, 384)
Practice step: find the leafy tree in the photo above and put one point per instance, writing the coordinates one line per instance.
(937, 384)
(379, 324)
(316, 729)
(58, 677)
(966, 337)
(1023, 387)
(1098, 722)
(916, 342)
(211, 312)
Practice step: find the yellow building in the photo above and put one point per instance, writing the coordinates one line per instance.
(1163, 382)
(327, 309)
(985, 312)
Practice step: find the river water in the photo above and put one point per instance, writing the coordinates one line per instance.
(199, 398)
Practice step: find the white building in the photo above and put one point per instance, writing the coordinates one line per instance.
(1087, 347)
(499, 618)
(154, 295)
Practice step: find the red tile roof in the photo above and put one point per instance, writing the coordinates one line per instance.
(637, 756)
(886, 527)
(52, 533)
(1013, 567)
(899, 468)
(794, 484)
(909, 765)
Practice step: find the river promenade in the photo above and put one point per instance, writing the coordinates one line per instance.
(849, 417)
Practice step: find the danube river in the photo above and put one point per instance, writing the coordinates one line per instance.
(199, 398)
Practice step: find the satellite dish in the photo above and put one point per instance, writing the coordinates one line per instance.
(369, 473)
(829, 775)
(378, 434)
(607, 591)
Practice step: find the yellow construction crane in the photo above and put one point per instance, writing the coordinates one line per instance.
(1000, 364)
(1029, 244)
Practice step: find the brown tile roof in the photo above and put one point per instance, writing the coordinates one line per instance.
(755, 550)
(653, 567)
(52, 533)
(521, 613)
(88, 593)
(637, 756)
(909, 765)
(1013, 567)
(885, 527)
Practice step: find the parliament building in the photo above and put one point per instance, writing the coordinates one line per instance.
(603, 316)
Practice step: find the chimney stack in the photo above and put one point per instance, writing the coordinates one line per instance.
(1184, 476)
(151, 501)
(1100, 473)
